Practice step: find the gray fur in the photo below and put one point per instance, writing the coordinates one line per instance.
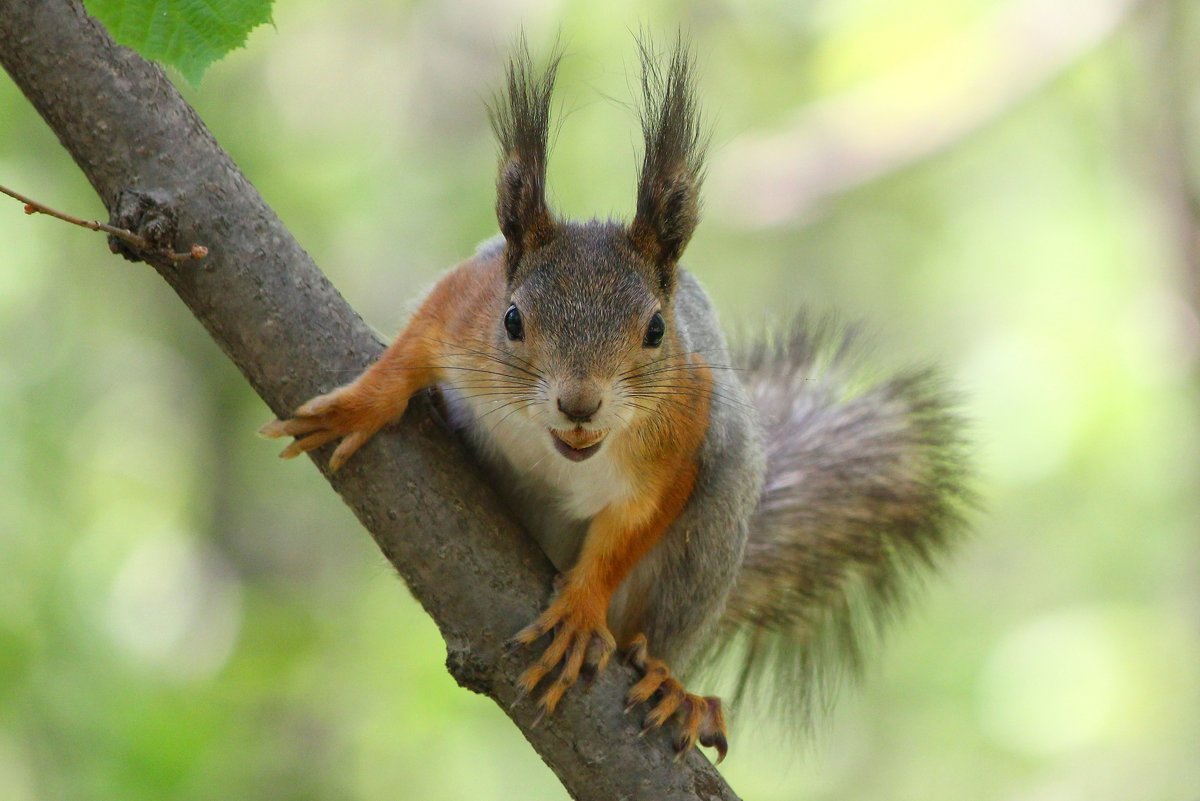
(520, 117)
(686, 579)
(584, 292)
(819, 490)
(581, 292)
(672, 170)
(866, 487)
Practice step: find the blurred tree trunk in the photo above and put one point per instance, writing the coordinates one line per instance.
(838, 144)
(155, 166)
(1176, 72)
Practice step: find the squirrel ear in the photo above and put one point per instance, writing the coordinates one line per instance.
(520, 118)
(668, 195)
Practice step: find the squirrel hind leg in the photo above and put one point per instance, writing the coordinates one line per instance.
(697, 718)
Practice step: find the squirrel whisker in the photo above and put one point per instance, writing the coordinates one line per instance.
(749, 514)
(532, 371)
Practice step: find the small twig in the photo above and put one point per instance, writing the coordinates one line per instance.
(129, 237)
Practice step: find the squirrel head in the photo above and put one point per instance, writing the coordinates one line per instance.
(589, 305)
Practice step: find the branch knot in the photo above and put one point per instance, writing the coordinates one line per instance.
(156, 222)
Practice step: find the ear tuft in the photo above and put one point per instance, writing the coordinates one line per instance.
(520, 118)
(668, 195)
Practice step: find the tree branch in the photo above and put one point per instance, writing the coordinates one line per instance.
(155, 166)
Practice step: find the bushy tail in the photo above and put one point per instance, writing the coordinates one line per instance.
(866, 486)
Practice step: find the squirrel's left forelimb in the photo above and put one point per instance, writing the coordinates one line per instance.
(586, 370)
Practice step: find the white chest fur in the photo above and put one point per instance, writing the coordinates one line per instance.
(554, 495)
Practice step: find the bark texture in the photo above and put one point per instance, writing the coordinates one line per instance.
(158, 169)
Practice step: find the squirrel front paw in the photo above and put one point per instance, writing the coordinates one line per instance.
(581, 641)
(698, 719)
(342, 414)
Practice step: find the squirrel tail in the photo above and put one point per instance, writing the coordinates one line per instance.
(866, 487)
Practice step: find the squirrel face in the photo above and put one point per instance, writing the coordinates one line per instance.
(589, 303)
(587, 313)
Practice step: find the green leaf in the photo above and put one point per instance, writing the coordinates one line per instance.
(189, 35)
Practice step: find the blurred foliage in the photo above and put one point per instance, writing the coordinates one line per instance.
(189, 35)
(184, 617)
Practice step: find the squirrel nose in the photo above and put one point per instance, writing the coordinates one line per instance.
(578, 408)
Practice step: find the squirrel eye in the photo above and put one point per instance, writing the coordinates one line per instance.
(655, 331)
(513, 324)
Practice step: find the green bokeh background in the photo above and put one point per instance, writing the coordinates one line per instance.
(184, 617)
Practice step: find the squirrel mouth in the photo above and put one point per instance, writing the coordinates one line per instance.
(577, 444)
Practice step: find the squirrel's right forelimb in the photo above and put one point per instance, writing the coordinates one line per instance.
(421, 355)
(694, 505)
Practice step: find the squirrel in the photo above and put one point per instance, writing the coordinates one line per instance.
(696, 503)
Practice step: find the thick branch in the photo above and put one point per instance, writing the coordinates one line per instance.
(286, 328)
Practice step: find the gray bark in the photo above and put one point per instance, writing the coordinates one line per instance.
(290, 333)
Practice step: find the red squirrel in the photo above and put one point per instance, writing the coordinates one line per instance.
(692, 500)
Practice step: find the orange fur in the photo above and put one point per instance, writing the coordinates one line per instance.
(458, 309)
(701, 718)
(449, 332)
(659, 416)
(661, 461)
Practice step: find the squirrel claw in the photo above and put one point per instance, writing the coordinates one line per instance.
(341, 414)
(581, 642)
(270, 430)
(646, 729)
(521, 695)
(293, 427)
(303, 444)
(717, 741)
(697, 719)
